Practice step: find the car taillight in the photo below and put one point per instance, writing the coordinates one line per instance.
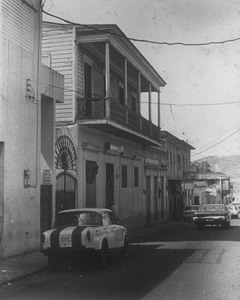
(88, 235)
(43, 238)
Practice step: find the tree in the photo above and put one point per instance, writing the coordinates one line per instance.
(201, 167)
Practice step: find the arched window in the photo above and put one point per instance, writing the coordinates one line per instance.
(65, 154)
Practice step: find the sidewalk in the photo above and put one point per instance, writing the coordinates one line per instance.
(18, 267)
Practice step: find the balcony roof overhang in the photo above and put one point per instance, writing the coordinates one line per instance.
(114, 128)
(112, 34)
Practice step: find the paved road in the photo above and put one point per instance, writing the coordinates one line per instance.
(182, 263)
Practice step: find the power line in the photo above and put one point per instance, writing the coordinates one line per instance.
(141, 40)
(216, 143)
(201, 104)
(146, 102)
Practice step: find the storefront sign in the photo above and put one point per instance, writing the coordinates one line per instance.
(114, 147)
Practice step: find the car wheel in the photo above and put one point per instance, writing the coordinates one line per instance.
(199, 226)
(124, 251)
(226, 225)
(103, 254)
(53, 262)
(237, 216)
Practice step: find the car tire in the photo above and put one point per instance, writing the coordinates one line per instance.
(124, 251)
(53, 262)
(199, 226)
(103, 255)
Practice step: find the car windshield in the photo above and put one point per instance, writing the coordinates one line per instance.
(212, 207)
(77, 219)
(193, 207)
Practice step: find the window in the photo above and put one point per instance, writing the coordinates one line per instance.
(124, 176)
(136, 179)
(184, 162)
(105, 219)
(121, 93)
(88, 88)
(179, 162)
(134, 103)
(171, 160)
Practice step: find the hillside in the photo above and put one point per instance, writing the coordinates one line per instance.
(229, 165)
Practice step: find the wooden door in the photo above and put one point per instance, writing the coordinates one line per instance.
(109, 185)
(148, 199)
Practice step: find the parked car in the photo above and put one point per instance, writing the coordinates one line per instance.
(189, 212)
(233, 210)
(77, 232)
(212, 214)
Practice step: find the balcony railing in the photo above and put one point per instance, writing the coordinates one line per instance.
(100, 109)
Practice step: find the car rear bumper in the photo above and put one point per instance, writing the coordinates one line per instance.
(68, 251)
(211, 220)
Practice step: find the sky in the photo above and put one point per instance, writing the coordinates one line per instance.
(201, 101)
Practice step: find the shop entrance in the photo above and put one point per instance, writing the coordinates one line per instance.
(109, 185)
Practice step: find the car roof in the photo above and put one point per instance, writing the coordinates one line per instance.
(98, 210)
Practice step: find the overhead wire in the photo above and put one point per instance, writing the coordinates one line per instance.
(153, 102)
(141, 40)
(216, 143)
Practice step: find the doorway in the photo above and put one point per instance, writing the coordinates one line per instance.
(91, 172)
(65, 191)
(109, 185)
(148, 198)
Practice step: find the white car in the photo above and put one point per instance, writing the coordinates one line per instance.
(84, 231)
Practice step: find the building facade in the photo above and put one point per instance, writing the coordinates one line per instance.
(29, 91)
(106, 151)
(179, 186)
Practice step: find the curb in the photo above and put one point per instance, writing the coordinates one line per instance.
(30, 273)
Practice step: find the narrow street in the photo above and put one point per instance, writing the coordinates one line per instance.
(182, 263)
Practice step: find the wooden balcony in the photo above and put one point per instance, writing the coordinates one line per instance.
(121, 120)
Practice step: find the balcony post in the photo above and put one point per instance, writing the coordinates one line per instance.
(126, 87)
(150, 103)
(159, 115)
(125, 82)
(150, 107)
(139, 92)
(107, 70)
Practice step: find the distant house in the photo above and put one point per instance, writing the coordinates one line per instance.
(179, 185)
(211, 188)
(29, 91)
(106, 151)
